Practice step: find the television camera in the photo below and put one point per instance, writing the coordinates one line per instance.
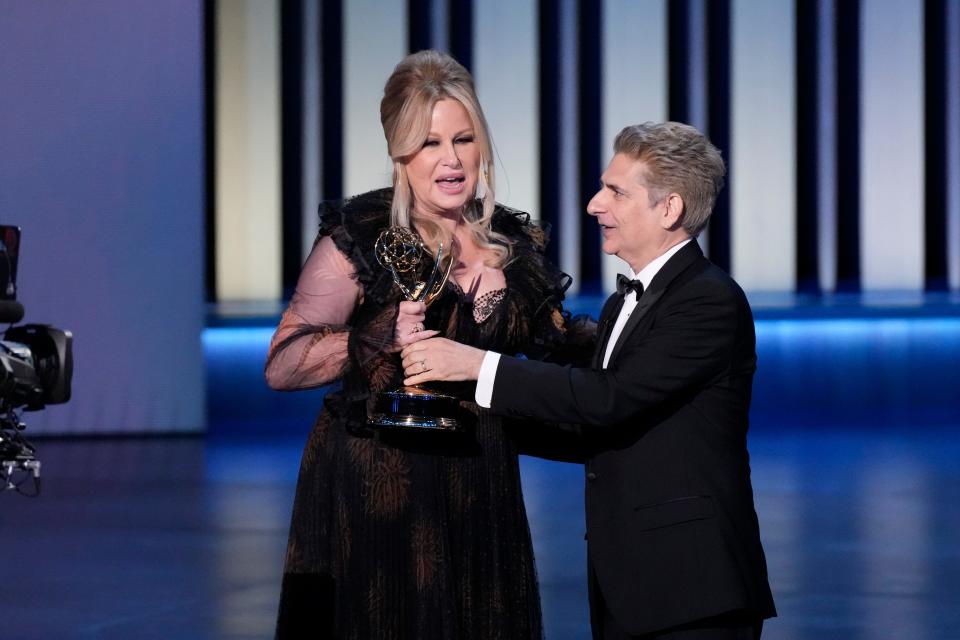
(36, 368)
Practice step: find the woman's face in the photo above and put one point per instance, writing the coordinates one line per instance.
(443, 173)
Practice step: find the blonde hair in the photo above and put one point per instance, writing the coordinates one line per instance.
(677, 158)
(420, 81)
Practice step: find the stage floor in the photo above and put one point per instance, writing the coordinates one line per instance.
(184, 537)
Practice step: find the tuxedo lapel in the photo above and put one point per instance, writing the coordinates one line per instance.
(644, 305)
(673, 268)
(608, 316)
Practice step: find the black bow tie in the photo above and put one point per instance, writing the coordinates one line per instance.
(625, 285)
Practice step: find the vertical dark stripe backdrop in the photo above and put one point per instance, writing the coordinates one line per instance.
(699, 76)
(718, 122)
(807, 146)
(935, 124)
(590, 86)
(331, 98)
(550, 138)
(847, 35)
(210, 143)
(291, 140)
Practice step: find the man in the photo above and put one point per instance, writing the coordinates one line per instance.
(673, 540)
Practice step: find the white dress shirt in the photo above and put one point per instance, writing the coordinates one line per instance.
(491, 359)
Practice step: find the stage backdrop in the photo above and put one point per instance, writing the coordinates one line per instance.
(839, 121)
(101, 164)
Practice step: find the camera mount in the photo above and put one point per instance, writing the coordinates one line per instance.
(36, 369)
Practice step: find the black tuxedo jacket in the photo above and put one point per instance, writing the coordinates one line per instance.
(672, 531)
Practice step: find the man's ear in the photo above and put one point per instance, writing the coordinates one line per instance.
(672, 212)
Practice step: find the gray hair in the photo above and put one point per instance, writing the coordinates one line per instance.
(677, 158)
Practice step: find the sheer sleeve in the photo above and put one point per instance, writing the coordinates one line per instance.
(309, 348)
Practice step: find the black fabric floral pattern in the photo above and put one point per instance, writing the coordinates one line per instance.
(401, 535)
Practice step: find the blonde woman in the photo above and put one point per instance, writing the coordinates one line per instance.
(395, 536)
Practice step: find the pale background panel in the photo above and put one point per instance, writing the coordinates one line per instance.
(439, 24)
(375, 40)
(634, 80)
(310, 137)
(953, 145)
(826, 148)
(697, 77)
(102, 167)
(505, 71)
(891, 151)
(248, 150)
(697, 82)
(763, 167)
(568, 232)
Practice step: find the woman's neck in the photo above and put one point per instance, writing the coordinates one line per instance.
(449, 221)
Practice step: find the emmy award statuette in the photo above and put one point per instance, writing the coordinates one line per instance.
(401, 250)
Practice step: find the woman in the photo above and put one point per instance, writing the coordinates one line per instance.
(394, 536)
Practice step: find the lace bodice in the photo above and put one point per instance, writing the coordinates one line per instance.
(484, 305)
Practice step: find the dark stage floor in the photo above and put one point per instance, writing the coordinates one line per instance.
(183, 538)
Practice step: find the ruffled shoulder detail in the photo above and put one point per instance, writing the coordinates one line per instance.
(517, 224)
(354, 224)
(537, 286)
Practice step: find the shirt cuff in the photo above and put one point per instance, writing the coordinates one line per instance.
(488, 373)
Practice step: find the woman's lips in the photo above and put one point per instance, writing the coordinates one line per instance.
(452, 186)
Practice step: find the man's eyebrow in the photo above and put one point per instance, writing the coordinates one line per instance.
(611, 185)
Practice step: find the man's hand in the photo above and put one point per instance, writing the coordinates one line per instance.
(440, 359)
(409, 327)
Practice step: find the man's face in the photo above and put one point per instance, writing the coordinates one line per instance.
(632, 229)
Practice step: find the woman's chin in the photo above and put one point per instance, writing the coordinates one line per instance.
(449, 203)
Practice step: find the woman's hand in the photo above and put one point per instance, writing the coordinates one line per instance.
(409, 327)
(441, 359)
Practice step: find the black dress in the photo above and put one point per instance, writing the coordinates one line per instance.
(400, 536)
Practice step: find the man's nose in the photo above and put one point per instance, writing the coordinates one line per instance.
(594, 207)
